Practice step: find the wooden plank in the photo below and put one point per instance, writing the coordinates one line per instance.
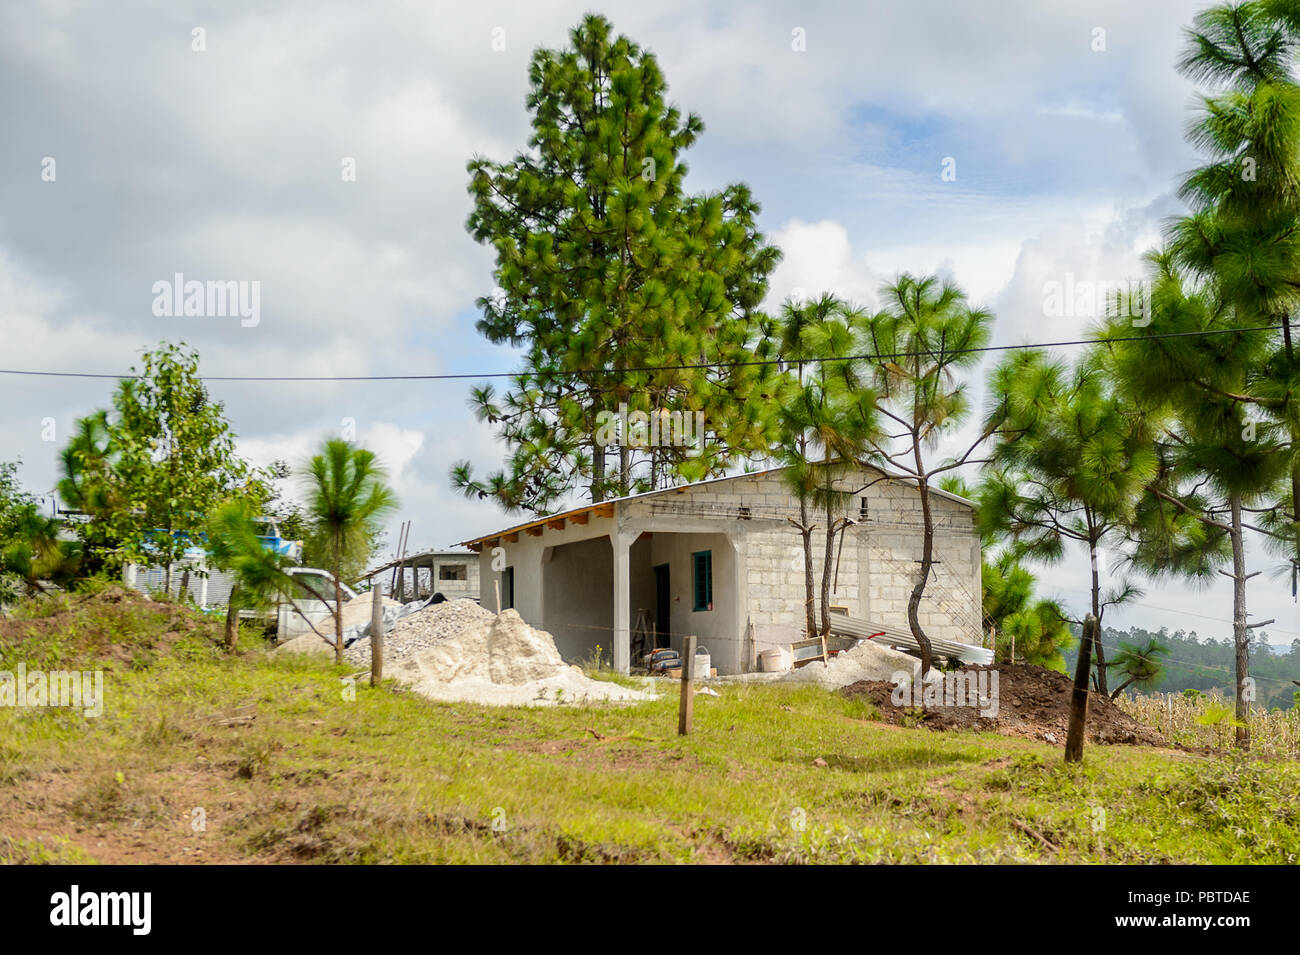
(580, 518)
(556, 523)
(686, 706)
(605, 510)
(376, 634)
(511, 538)
(534, 531)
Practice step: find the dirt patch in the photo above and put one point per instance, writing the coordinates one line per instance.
(608, 752)
(1032, 703)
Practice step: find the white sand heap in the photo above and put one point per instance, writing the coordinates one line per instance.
(504, 661)
(460, 651)
(866, 661)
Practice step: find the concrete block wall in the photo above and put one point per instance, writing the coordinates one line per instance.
(876, 564)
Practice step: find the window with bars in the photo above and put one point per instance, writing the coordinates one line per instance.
(702, 576)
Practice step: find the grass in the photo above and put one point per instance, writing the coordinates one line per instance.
(200, 756)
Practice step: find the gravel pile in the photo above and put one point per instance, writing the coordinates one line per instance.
(422, 630)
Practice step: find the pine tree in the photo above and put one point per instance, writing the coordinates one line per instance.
(827, 417)
(1071, 463)
(605, 264)
(921, 340)
(1217, 460)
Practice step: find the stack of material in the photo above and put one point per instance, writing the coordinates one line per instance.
(866, 661)
(661, 661)
(895, 636)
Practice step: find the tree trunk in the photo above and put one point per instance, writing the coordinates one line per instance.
(1120, 689)
(338, 599)
(827, 568)
(809, 609)
(232, 619)
(1098, 652)
(927, 562)
(597, 474)
(1077, 730)
(1240, 633)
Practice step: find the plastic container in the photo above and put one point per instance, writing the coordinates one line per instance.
(703, 663)
(775, 660)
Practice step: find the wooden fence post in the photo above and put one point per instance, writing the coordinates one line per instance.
(686, 709)
(376, 633)
(1079, 697)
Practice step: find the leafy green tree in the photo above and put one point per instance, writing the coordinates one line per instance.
(259, 574)
(921, 340)
(1216, 460)
(31, 551)
(1243, 233)
(149, 473)
(1139, 665)
(88, 487)
(347, 497)
(1016, 625)
(1071, 463)
(605, 264)
(827, 415)
(1021, 627)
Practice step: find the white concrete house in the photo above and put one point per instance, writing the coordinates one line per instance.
(721, 559)
(452, 573)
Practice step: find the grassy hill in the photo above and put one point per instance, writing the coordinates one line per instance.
(204, 757)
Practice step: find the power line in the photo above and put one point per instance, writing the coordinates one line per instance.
(697, 366)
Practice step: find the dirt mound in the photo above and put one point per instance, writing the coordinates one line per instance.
(113, 623)
(1031, 702)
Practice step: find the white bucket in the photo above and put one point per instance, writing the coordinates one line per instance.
(773, 661)
(703, 663)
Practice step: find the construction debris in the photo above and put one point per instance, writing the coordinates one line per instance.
(866, 661)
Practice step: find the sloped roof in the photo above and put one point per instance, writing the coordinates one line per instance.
(606, 508)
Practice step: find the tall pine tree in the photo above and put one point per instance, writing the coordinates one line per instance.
(605, 264)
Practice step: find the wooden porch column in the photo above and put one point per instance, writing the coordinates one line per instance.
(622, 546)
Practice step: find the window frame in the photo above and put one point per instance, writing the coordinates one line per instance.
(702, 602)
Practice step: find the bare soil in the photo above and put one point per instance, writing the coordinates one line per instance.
(1033, 703)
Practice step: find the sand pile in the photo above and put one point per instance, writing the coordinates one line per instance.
(503, 661)
(458, 650)
(866, 661)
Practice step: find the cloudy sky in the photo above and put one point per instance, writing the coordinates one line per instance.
(1063, 122)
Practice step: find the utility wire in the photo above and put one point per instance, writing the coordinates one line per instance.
(583, 372)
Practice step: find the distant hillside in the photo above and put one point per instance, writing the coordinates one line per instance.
(1206, 664)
